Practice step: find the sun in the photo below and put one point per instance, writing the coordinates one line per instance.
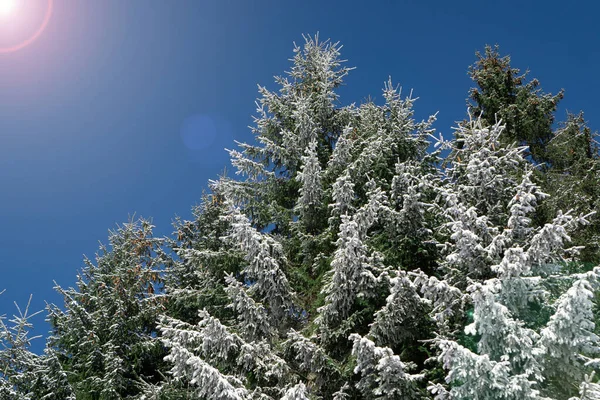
(7, 7)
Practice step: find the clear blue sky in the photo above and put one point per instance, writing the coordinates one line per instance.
(125, 107)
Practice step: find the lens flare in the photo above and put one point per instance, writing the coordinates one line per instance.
(9, 7)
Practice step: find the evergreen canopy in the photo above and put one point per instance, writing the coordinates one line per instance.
(349, 261)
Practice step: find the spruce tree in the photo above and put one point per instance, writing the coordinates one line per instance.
(503, 94)
(290, 260)
(572, 180)
(25, 375)
(104, 339)
(567, 157)
(507, 351)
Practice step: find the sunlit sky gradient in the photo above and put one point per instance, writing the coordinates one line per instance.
(124, 107)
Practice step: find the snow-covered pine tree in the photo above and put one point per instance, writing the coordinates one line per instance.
(588, 389)
(476, 199)
(198, 262)
(568, 344)
(104, 338)
(571, 178)
(304, 111)
(569, 156)
(351, 272)
(254, 319)
(405, 317)
(264, 260)
(508, 353)
(16, 361)
(296, 130)
(23, 374)
(313, 201)
(502, 93)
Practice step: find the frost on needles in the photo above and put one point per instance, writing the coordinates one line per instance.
(346, 260)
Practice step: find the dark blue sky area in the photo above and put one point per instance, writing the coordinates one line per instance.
(124, 107)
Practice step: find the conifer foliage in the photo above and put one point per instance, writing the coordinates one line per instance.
(104, 339)
(346, 260)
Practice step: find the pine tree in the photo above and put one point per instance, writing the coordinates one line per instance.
(297, 392)
(503, 94)
(23, 374)
(195, 349)
(507, 354)
(255, 259)
(568, 342)
(568, 156)
(104, 339)
(575, 169)
(198, 260)
(405, 317)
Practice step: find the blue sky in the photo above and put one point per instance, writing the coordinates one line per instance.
(124, 107)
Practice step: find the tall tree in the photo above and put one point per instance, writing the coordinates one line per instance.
(568, 157)
(503, 94)
(105, 337)
(572, 180)
(289, 260)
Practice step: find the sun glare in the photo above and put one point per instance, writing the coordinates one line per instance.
(8, 16)
(7, 7)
